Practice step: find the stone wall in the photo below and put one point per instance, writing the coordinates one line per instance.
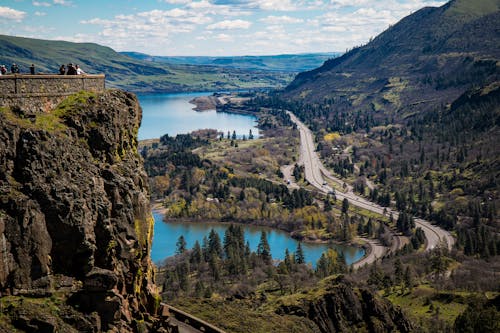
(43, 92)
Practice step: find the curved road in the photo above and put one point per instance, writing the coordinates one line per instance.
(314, 173)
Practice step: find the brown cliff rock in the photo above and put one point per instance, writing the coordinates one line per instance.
(75, 222)
(343, 308)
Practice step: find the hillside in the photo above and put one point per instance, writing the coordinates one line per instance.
(428, 58)
(128, 73)
(283, 62)
(416, 112)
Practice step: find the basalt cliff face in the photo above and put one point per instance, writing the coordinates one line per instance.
(75, 222)
(343, 308)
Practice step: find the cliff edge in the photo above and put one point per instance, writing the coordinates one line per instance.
(75, 222)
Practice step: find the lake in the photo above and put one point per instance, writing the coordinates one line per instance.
(167, 234)
(173, 114)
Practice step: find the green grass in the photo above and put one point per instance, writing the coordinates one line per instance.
(238, 316)
(424, 301)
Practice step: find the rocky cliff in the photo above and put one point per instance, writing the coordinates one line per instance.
(343, 308)
(75, 223)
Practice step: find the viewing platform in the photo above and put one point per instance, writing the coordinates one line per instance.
(42, 92)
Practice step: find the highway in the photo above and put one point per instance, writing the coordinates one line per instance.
(315, 174)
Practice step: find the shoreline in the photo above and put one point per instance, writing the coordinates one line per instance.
(366, 246)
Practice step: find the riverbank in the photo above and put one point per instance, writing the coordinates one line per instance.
(221, 102)
(353, 251)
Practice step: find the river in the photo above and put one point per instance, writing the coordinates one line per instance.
(173, 114)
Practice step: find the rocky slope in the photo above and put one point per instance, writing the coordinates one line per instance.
(75, 223)
(341, 307)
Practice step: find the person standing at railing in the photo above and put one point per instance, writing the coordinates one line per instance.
(79, 71)
(62, 70)
(32, 69)
(14, 69)
(71, 69)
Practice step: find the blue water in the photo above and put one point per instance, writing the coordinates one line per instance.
(167, 234)
(173, 114)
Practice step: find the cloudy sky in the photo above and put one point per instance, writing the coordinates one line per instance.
(208, 27)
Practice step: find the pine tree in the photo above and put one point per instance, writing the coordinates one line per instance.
(196, 254)
(263, 249)
(299, 255)
(408, 279)
(214, 244)
(181, 245)
(398, 272)
(345, 206)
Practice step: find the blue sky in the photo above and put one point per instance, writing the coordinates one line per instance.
(208, 27)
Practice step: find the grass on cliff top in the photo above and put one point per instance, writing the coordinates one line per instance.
(50, 121)
(43, 308)
(259, 313)
(241, 316)
(425, 303)
(43, 121)
(74, 104)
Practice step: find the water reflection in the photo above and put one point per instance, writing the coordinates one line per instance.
(166, 235)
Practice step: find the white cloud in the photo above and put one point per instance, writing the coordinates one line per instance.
(37, 13)
(11, 14)
(224, 38)
(177, 2)
(281, 20)
(251, 26)
(41, 4)
(276, 5)
(62, 2)
(230, 25)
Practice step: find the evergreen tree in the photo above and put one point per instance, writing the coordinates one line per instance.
(288, 261)
(196, 254)
(180, 245)
(398, 272)
(408, 278)
(369, 227)
(214, 244)
(345, 206)
(327, 205)
(299, 255)
(263, 249)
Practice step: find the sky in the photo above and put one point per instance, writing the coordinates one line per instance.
(208, 27)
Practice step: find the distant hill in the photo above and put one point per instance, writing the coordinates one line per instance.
(130, 73)
(428, 58)
(283, 62)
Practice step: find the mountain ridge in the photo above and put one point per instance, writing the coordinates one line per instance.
(131, 74)
(430, 43)
(278, 62)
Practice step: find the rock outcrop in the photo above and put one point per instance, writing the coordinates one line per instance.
(75, 222)
(343, 308)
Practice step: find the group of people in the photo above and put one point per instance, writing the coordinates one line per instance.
(14, 69)
(71, 70)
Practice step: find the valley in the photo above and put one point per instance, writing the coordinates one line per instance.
(306, 191)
